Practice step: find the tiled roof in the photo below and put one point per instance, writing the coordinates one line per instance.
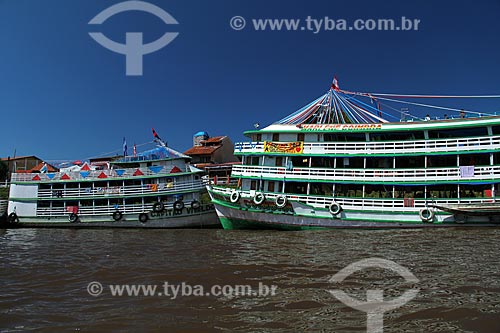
(215, 139)
(201, 150)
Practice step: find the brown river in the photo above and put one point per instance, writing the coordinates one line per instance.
(62, 280)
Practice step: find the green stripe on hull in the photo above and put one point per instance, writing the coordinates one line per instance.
(238, 224)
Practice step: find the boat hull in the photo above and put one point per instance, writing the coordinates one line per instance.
(204, 217)
(298, 216)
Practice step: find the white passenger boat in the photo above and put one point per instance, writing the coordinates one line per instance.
(342, 162)
(157, 188)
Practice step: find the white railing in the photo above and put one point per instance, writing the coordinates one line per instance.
(133, 190)
(358, 203)
(100, 210)
(94, 174)
(384, 147)
(368, 175)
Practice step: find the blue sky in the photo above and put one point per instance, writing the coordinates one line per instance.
(63, 96)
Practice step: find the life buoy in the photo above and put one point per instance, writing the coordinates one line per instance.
(195, 204)
(143, 217)
(178, 205)
(73, 217)
(281, 201)
(13, 218)
(335, 208)
(117, 215)
(158, 207)
(235, 196)
(259, 198)
(426, 215)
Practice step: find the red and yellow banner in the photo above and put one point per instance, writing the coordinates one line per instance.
(285, 148)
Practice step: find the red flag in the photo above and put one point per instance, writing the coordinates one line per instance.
(155, 134)
(335, 83)
(135, 151)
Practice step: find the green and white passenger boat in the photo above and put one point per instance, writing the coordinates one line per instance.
(339, 162)
(157, 188)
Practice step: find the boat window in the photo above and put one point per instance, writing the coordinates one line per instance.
(254, 160)
(276, 137)
(378, 191)
(296, 188)
(257, 137)
(344, 137)
(458, 133)
(270, 186)
(300, 137)
(475, 159)
(300, 161)
(397, 136)
(322, 162)
(253, 185)
(412, 191)
(408, 162)
(279, 161)
(348, 190)
(496, 158)
(322, 189)
(475, 191)
(439, 161)
(496, 130)
(379, 162)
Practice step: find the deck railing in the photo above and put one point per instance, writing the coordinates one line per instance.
(96, 174)
(384, 147)
(382, 204)
(485, 172)
(133, 190)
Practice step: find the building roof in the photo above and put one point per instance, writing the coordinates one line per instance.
(37, 169)
(215, 139)
(20, 158)
(202, 150)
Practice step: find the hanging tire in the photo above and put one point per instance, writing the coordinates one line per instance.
(178, 205)
(158, 207)
(259, 198)
(426, 215)
(460, 218)
(117, 215)
(143, 217)
(235, 196)
(73, 217)
(334, 208)
(13, 218)
(281, 201)
(195, 204)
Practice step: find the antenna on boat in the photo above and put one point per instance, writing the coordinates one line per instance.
(158, 140)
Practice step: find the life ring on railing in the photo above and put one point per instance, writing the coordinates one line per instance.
(281, 201)
(178, 205)
(195, 204)
(426, 215)
(73, 217)
(335, 208)
(259, 198)
(158, 207)
(235, 196)
(13, 218)
(117, 215)
(143, 217)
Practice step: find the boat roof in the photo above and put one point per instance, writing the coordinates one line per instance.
(155, 154)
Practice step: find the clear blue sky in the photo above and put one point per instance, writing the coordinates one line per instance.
(63, 96)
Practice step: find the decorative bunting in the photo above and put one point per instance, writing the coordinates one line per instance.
(138, 173)
(37, 177)
(65, 177)
(175, 169)
(84, 174)
(51, 175)
(156, 168)
(85, 167)
(120, 172)
(102, 175)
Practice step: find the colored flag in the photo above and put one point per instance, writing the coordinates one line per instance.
(155, 134)
(124, 147)
(335, 83)
(44, 168)
(135, 151)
